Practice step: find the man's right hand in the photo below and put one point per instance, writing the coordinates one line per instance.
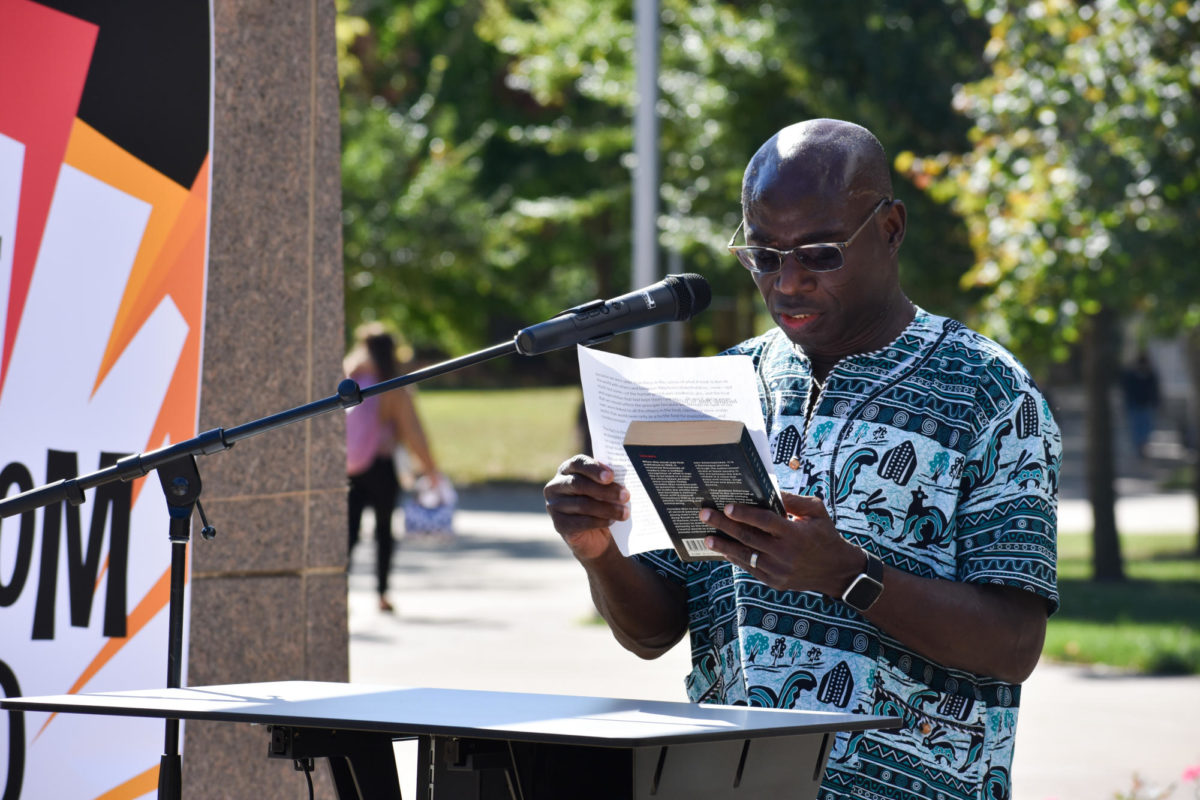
(584, 500)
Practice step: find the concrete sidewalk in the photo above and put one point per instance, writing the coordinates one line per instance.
(503, 606)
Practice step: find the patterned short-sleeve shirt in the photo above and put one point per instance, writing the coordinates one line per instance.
(938, 454)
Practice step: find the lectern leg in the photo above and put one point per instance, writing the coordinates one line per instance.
(363, 764)
(366, 774)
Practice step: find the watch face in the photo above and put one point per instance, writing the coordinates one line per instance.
(863, 592)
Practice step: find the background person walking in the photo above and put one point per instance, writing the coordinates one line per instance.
(373, 430)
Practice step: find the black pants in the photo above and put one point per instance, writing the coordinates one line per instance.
(379, 489)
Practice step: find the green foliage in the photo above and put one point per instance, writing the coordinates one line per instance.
(1149, 624)
(488, 145)
(419, 112)
(1080, 190)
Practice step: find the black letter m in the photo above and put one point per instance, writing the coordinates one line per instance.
(83, 564)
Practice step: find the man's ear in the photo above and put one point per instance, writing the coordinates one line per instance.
(896, 224)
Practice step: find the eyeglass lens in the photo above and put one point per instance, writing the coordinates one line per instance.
(817, 258)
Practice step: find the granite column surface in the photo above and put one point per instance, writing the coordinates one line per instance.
(269, 593)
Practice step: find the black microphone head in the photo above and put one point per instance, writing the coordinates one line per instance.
(692, 293)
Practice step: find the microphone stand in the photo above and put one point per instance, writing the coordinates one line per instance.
(181, 485)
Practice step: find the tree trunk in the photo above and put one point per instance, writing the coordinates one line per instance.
(1099, 373)
(1193, 409)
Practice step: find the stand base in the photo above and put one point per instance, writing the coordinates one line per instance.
(170, 777)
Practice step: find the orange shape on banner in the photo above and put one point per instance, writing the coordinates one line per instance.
(92, 153)
(181, 262)
(169, 263)
(137, 786)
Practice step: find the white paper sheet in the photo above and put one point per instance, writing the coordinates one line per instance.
(619, 390)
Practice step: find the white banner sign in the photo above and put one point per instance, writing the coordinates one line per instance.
(103, 235)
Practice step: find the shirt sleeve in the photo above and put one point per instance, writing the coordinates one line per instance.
(666, 563)
(1008, 504)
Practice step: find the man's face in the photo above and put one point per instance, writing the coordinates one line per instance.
(829, 314)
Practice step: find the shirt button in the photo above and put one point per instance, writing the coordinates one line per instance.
(794, 463)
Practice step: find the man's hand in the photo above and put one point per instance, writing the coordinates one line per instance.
(583, 502)
(800, 552)
(646, 612)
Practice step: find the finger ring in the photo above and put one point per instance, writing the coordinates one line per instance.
(754, 561)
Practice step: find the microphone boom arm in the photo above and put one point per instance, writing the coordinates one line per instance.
(213, 441)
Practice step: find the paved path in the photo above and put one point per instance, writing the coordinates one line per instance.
(505, 607)
(1153, 513)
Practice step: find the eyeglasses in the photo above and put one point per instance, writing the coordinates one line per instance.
(825, 257)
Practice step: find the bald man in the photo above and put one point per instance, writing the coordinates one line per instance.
(915, 569)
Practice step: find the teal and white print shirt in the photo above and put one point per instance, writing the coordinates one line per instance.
(938, 454)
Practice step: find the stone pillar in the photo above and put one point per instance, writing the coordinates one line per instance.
(269, 593)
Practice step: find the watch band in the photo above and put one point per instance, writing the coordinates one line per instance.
(866, 587)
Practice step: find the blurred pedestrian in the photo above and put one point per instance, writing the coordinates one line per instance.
(1139, 386)
(374, 429)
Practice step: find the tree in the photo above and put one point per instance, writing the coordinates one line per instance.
(487, 145)
(777, 649)
(1079, 194)
(755, 644)
(732, 75)
(421, 107)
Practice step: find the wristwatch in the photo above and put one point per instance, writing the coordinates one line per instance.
(866, 587)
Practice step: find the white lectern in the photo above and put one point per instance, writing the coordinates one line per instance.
(476, 745)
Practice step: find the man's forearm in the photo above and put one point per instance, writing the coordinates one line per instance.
(646, 613)
(989, 630)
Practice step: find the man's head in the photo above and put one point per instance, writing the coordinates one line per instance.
(826, 181)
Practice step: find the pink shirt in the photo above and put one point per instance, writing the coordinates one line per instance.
(367, 435)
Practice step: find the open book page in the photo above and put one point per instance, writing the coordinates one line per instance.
(619, 390)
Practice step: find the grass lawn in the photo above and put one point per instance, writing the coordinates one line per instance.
(500, 434)
(1150, 623)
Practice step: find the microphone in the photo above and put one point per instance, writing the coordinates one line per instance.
(675, 298)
